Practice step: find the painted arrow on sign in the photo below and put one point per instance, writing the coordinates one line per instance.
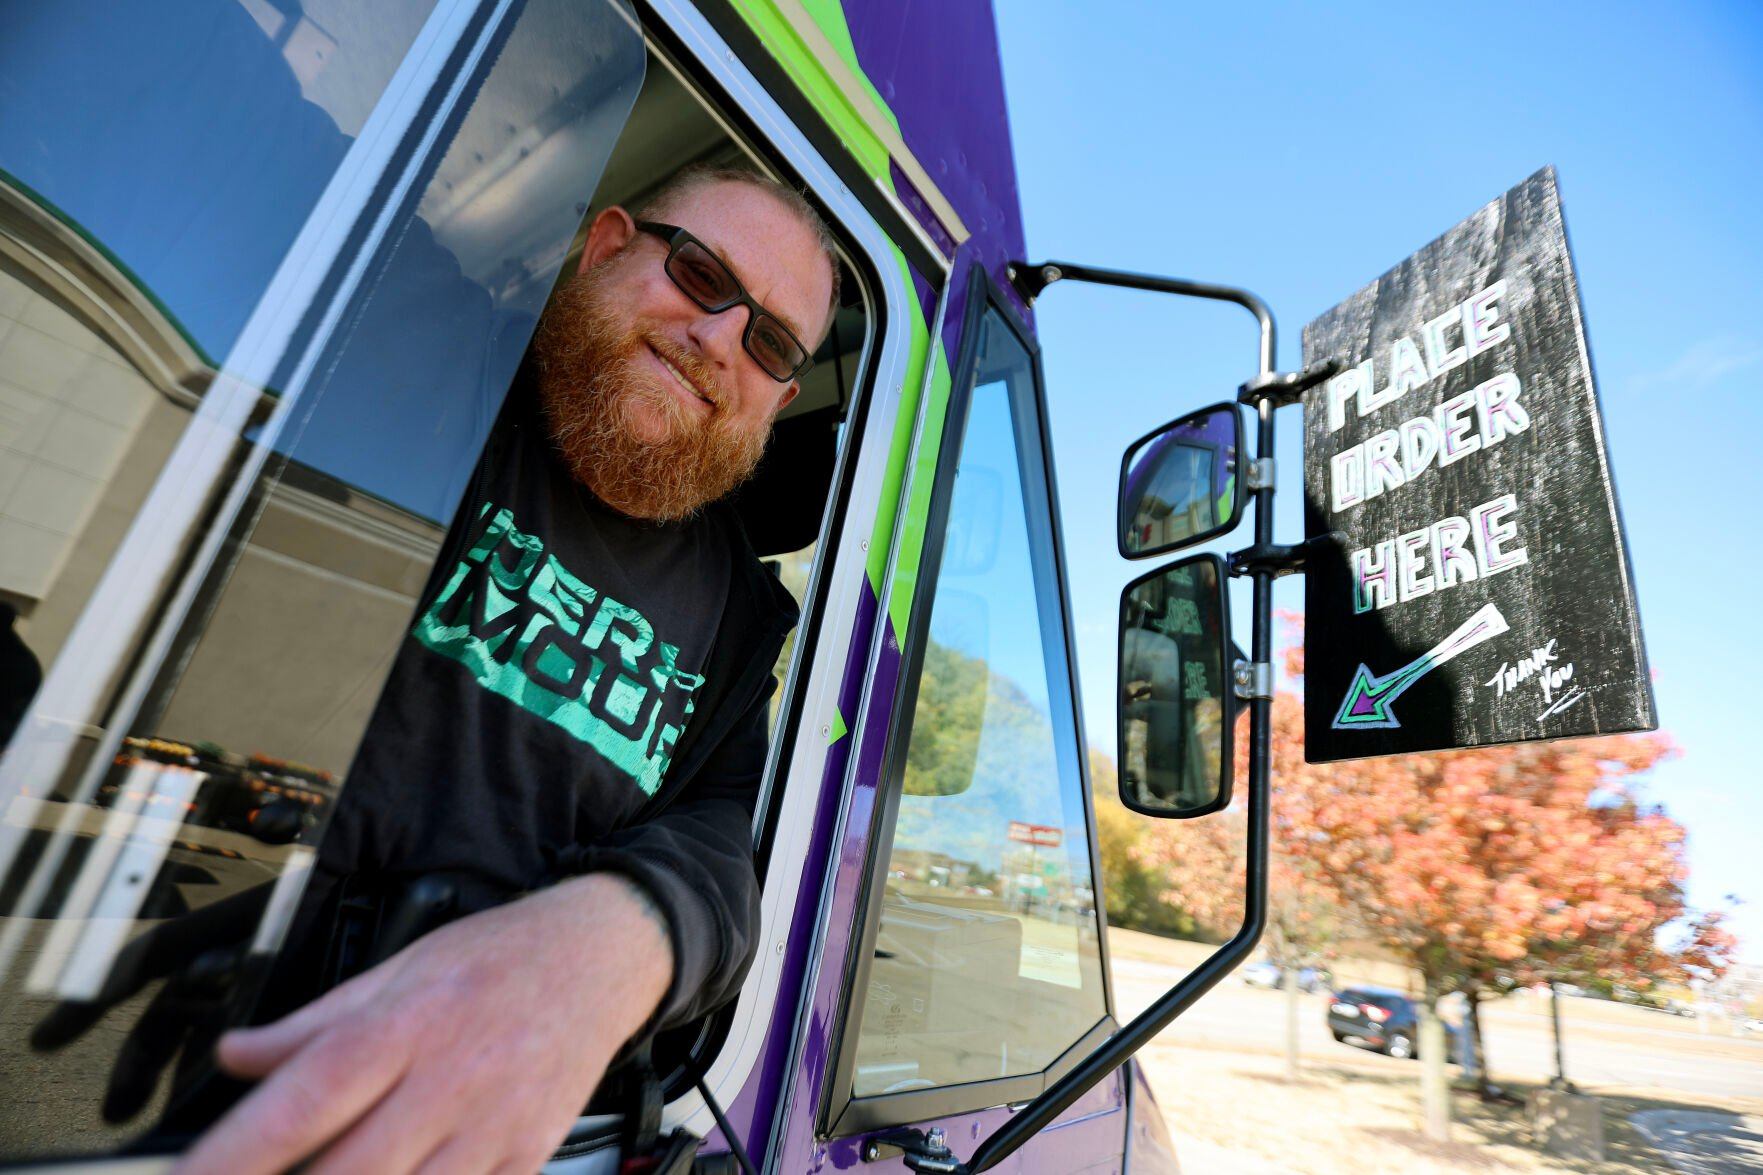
(1368, 700)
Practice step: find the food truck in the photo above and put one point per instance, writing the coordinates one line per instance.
(267, 270)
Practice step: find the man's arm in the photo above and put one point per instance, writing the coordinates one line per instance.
(695, 860)
(474, 1049)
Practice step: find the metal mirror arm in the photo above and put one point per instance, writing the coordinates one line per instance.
(1030, 279)
(1265, 392)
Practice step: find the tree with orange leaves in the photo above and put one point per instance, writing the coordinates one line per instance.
(1479, 869)
(1530, 862)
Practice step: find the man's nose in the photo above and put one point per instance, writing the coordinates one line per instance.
(718, 336)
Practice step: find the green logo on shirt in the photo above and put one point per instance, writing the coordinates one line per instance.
(564, 651)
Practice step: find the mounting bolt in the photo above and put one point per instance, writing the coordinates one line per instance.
(1252, 679)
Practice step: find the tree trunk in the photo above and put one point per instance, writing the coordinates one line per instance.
(1291, 985)
(1476, 1063)
(1560, 1081)
(1435, 1087)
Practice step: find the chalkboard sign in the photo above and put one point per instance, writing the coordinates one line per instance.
(1476, 588)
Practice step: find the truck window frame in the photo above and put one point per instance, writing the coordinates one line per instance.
(843, 1114)
(761, 108)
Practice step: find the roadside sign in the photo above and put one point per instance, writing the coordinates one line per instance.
(1047, 836)
(1475, 588)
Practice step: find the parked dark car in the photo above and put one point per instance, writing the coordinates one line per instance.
(1380, 1018)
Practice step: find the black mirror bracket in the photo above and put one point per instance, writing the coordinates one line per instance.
(1277, 559)
(1282, 388)
(1029, 280)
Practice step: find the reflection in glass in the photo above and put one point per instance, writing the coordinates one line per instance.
(1180, 483)
(1172, 688)
(986, 960)
(190, 141)
(143, 209)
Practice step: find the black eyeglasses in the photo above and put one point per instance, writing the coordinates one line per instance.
(703, 277)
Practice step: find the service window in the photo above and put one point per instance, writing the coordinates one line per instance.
(164, 172)
(156, 169)
(204, 758)
(986, 961)
(784, 505)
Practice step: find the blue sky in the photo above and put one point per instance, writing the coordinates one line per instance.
(1301, 151)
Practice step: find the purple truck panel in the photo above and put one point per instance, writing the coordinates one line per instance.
(755, 1110)
(1149, 1149)
(937, 67)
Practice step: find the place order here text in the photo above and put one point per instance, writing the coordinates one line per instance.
(1454, 550)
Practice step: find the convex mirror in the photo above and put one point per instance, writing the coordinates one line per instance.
(1176, 703)
(1182, 483)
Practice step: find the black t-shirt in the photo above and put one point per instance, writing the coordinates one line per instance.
(554, 663)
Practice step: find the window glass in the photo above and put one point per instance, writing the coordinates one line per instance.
(155, 163)
(188, 142)
(986, 961)
(144, 208)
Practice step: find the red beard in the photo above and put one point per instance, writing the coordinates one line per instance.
(592, 379)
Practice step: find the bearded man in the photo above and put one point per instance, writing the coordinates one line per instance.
(562, 769)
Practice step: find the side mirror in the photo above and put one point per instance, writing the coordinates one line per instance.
(1176, 702)
(1182, 483)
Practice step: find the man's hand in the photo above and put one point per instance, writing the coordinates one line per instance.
(472, 1050)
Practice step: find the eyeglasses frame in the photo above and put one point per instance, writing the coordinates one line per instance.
(676, 238)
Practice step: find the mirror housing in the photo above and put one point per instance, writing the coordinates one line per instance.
(1177, 701)
(1182, 483)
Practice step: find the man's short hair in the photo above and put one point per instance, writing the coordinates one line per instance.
(690, 179)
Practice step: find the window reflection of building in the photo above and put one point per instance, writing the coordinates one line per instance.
(96, 384)
(144, 213)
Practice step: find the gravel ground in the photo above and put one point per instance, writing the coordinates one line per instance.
(1350, 1119)
(1219, 1077)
